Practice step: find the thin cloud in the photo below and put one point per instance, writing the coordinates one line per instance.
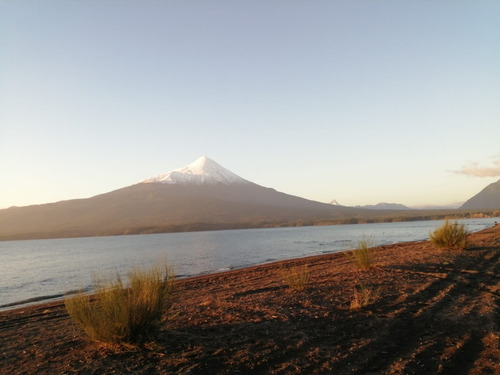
(476, 170)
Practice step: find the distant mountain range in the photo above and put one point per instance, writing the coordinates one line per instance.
(200, 196)
(385, 206)
(488, 198)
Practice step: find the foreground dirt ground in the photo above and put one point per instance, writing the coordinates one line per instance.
(437, 313)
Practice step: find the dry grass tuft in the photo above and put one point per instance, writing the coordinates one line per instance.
(364, 296)
(118, 313)
(450, 235)
(296, 277)
(361, 255)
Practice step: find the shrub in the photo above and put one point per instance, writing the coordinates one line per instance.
(296, 277)
(364, 296)
(361, 255)
(118, 313)
(450, 235)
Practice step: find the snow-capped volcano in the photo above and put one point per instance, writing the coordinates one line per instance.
(201, 196)
(203, 171)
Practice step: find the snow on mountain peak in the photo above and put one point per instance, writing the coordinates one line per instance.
(203, 171)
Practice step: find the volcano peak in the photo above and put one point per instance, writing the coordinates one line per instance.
(203, 171)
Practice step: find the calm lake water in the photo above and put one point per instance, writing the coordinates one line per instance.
(40, 270)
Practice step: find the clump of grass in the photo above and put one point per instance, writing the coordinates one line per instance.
(361, 255)
(296, 277)
(364, 296)
(450, 235)
(119, 313)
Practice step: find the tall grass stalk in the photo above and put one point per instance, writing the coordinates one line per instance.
(450, 235)
(119, 313)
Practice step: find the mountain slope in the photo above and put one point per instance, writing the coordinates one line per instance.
(144, 208)
(203, 195)
(488, 198)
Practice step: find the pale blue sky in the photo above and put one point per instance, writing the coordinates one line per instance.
(359, 101)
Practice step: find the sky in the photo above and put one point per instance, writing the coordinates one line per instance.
(358, 101)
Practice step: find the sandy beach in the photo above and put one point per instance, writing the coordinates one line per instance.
(437, 312)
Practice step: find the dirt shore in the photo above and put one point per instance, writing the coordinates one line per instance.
(437, 313)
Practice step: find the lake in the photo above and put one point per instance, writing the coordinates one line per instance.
(42, 270)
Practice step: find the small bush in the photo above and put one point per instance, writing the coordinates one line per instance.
(364, 296)
(361, 255)
(450, 235)
(296, 277)
(118, 313)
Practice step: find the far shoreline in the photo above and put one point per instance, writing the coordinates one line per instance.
(379, 216)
